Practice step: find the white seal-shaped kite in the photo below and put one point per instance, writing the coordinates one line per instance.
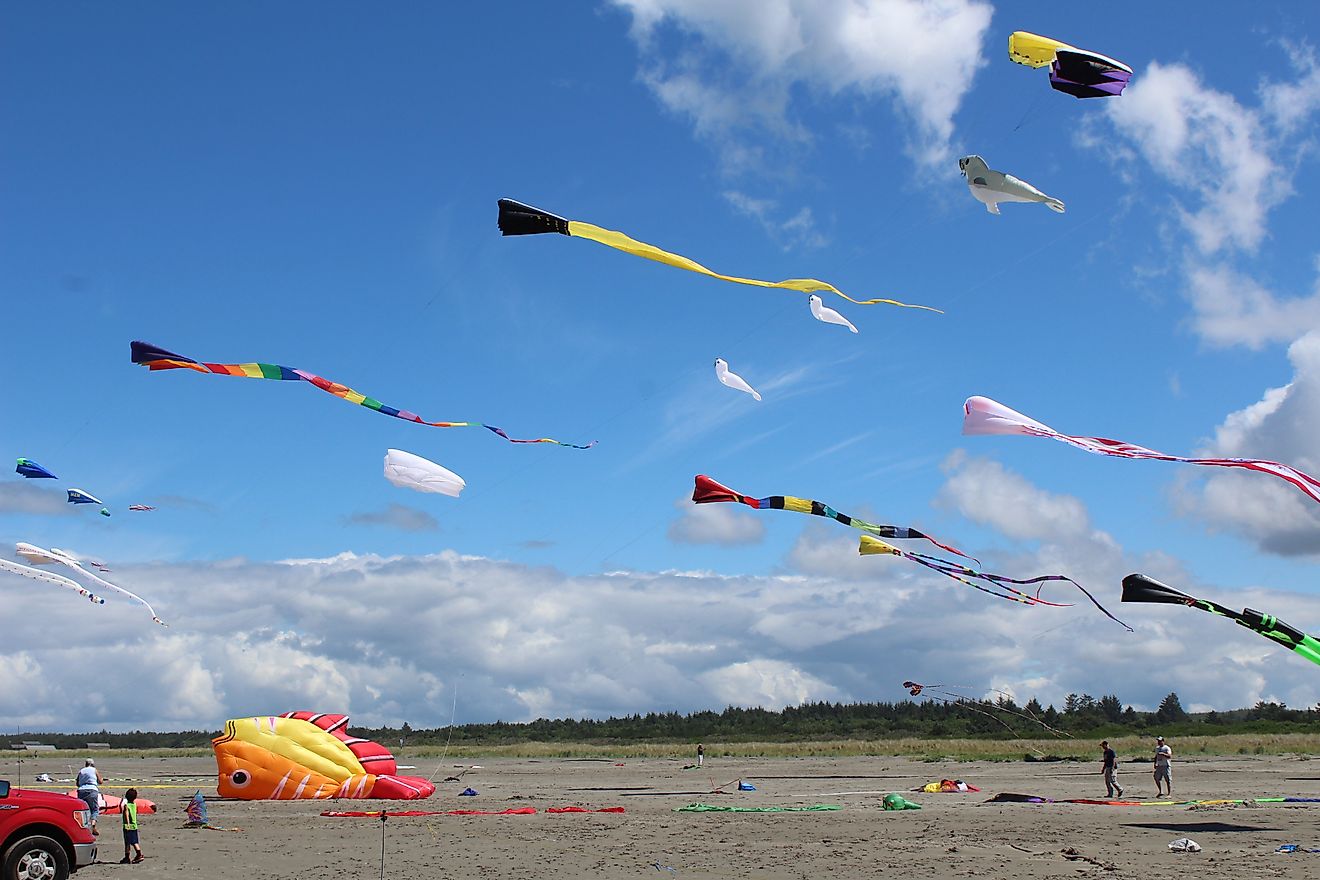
(733, 380)
(822, 312)
(410, 471)
(992, 187)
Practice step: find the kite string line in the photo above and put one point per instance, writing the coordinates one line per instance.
(453, 714)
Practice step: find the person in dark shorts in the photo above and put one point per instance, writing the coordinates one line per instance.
(129, 813)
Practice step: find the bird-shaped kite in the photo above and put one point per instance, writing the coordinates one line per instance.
(821, 312)
(992, 187)
(733, 380)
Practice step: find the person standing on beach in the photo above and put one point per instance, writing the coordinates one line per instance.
(89, 790)
(1163, 768)
(701, 755)
(128, 809)
(1110, 770)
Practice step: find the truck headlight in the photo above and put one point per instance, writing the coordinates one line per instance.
(83, 818)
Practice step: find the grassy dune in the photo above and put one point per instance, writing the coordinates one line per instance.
(1087, 748)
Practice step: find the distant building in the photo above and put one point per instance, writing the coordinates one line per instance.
(98, 745)
(31, 747)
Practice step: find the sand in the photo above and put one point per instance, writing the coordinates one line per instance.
(954, 835)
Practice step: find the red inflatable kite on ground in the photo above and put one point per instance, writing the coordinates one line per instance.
(307, 755)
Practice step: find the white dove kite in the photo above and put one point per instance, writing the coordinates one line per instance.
(822, 312)
(733, 380)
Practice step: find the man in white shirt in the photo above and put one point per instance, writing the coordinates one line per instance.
(89, 790)
(1163, 770)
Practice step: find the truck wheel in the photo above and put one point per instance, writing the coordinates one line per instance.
(36, 858)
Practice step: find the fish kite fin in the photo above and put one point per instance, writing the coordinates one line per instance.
(517, 218)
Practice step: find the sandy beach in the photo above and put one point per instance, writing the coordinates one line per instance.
(954, 835)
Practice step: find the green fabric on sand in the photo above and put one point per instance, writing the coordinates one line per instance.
(710, 808)
(898, 802)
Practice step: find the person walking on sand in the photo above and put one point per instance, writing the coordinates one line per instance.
(128, 809)
(1110, 770)
(1163, 768)
(701, 755)
(89, 790)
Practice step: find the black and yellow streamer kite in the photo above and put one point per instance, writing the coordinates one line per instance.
(517, 218)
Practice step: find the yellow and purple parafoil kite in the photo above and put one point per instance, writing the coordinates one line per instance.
(1077, 72)
(307, 755)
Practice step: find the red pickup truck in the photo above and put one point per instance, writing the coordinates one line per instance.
(43, 835)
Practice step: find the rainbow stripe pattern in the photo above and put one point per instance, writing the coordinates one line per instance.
(155, 358)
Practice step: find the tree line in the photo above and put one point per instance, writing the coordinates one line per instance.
(938, 718)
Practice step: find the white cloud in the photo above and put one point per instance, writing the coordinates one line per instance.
(388, 640)
(740, 62)
(986, 492)
(1231, 165)
(1210, 146)
(1281, 426)
(715, 524)
(773, 684)
(1290, 103)
(1231, 308)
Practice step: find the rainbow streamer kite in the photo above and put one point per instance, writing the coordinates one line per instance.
(154, 358)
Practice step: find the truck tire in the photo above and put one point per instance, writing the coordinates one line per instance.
(36, 858)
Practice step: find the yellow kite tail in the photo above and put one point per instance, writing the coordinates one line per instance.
(516, 218)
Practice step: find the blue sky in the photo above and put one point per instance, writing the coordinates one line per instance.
(315, 185)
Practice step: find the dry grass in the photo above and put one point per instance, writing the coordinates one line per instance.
(927, 749)
(1087, 748)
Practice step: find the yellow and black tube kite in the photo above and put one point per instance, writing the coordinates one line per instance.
(519, 219)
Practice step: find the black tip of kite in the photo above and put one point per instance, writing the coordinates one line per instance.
(1139, 588)
(519, 219)
(145, 353)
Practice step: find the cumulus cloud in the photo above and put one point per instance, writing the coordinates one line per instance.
(396, 516)
(1209, 145)
(1231, 308)
(715, 524)
(1230, 164)
(1281, 426)
(733, 67)
(388, 639)
(986, 492)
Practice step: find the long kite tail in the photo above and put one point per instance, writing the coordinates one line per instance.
(707, 491)
(964, 575)
(516, 218)
(981, 415)
(155, 358)
(1003, 581)
(1140, 588)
